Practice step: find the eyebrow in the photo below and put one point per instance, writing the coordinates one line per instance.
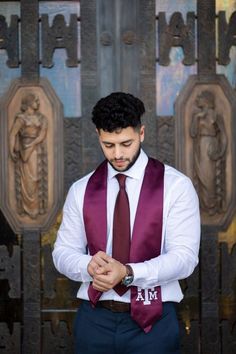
(122, 142)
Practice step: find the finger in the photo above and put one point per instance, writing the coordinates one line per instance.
(104, 256)
(106, 282)
(101, 260)
(106, 268)
(102, 289)
(100, 286)
(100, 270)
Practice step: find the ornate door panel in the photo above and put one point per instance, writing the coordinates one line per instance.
(179, 57)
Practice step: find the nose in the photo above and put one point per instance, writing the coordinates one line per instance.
(117, 152)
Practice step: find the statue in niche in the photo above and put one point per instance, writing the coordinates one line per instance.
(29, 153)
(209, 148)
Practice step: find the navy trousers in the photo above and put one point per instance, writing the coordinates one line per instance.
(100, 331)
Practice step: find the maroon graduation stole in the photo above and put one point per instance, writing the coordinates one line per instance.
(146, 304)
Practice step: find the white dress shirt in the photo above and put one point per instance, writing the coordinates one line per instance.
(180, 233)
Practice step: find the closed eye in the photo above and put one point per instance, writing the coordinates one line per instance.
(108, 146)
(127, 144)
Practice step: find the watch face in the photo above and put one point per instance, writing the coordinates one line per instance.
(127, 280)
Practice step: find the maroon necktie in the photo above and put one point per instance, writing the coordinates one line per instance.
(121, 229)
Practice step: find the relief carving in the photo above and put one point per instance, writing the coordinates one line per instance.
(204, 145)
(31, 156)
(29, 153)
(209, 149)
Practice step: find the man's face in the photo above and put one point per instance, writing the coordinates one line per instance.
(121, 147)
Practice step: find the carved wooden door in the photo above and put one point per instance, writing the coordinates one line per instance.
(179, 57)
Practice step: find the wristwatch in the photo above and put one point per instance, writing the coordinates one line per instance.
(129, 277)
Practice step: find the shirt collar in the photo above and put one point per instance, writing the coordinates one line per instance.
(136, 171)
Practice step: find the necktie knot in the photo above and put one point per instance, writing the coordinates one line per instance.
(121, 180)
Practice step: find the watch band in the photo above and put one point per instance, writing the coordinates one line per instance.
(129, 277)
(129, 270)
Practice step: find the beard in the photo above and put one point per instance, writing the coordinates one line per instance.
(131, 161)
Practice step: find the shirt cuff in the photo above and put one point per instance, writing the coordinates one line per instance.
(140, 274)
(84, 261)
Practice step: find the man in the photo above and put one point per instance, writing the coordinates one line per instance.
(130, 231)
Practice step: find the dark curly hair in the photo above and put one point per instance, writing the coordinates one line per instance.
(118, 110)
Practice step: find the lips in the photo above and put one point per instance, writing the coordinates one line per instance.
(119, 162)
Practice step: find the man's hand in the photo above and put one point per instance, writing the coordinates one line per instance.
(105, 271)
(100, 259)
(108, 274)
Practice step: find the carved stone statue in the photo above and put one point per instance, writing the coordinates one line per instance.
(29, 153)
(209, 148)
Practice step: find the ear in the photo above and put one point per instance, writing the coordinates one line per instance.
(142, 133)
